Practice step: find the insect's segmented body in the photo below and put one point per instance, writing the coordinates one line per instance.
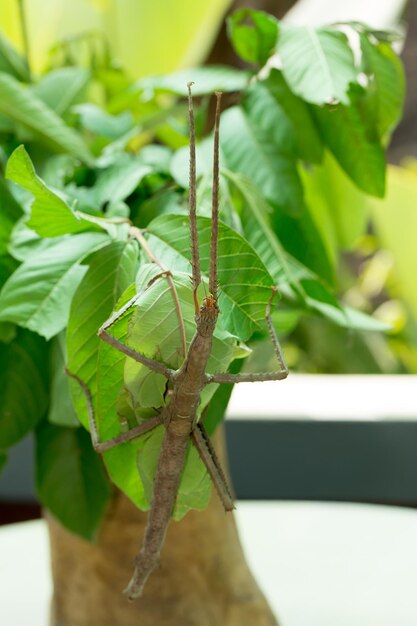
(179, 420)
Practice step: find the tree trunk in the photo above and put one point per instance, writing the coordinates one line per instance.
(203, 579)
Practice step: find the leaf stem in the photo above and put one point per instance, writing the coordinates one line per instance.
(137, 234)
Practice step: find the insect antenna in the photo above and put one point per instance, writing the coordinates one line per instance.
(213, 285)
(192, 203)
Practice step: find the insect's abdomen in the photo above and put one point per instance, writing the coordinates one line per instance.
(165, 488)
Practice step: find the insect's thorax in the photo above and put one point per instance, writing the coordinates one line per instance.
(190, 379)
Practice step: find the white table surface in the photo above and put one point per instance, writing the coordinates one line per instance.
(319, 564)
(327, 397)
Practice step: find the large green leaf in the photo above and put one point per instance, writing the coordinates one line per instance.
(244, 281)
(70, 479)
(387, 84)
(155, 330)
(24, 386)
(50, 216)
(39, 293)
(22, 106)
(307, 141)
(110, 270)
(350, 134)
(253, 34)
(206, 80)
(257, 141)
(59, 89)
(318, 64)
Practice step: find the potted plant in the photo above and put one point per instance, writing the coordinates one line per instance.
(95, 226)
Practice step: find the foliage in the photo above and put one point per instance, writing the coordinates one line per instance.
(103, 154)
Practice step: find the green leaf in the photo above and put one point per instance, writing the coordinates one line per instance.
(307, 141)
(244, 281)
(257, 142)
(24, 386)
(151, 326)
(39, 293)
(25, 242)
(339, 208)
(350, 134)
(253, 34)
(206, 80)
(302, 239)
(317, 64)
(110, 270)
(255, 218)
(50, 214)
(154, 330)
(121, 463)
(59, 89)
(70, 479)
(61, 409)
(20, 105)
(118, 181)
(10, 212)
(101, 123)
(387, 83)
(11, 62)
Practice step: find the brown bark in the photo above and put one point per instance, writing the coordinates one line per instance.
(203, 579)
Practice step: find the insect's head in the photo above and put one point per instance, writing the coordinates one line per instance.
(208, 314)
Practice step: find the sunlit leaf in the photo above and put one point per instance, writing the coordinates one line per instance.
(110, 270)
(317, 64)
(50, 216)
(39, 293)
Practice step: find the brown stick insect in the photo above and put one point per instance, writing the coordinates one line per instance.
(179, 417)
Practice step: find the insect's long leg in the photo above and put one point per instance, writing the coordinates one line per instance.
(156, 366)
(192, 202)
(215, 204)
(250, 378)
(208, 455)
(103, 446)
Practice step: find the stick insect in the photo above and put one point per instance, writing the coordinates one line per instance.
(179, 417)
